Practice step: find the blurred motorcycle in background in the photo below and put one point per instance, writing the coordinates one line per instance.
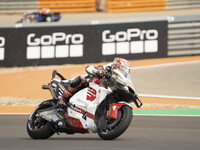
(40, 16)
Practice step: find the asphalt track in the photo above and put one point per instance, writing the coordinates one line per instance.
(175, 79)
(144, 133)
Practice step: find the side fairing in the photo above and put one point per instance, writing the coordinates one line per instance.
(85, 103)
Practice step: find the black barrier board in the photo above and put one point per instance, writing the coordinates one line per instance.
(30, 46)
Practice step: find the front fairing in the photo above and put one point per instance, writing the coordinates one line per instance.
(124, 87)
(124, 80)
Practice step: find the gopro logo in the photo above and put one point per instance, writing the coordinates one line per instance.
(132, 41)
(57, 45)
(2, 49)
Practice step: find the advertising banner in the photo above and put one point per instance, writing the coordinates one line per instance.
(31, 46)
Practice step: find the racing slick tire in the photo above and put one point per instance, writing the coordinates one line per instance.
(39, 128)
(117, 127)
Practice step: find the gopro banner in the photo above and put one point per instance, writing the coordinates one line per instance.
(29, 46)
(134, 40)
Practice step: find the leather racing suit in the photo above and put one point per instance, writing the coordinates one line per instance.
(74, 85)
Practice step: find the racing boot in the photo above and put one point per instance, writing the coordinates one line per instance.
(71, 88)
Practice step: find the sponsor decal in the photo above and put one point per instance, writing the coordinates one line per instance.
(2, 49)
(56, 45)
(131, 41)
(91, 94)
(81, 101)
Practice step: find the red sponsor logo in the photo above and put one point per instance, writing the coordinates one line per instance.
(91, 94)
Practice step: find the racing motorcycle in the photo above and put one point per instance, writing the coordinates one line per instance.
(100, 107)
(35, 17)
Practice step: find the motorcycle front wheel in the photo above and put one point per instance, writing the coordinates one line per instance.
(115, 128)
(37, 127)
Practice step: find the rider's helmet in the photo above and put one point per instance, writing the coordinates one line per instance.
(122, 65)
(45, 11)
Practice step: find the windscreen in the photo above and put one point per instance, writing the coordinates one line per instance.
(126, 73)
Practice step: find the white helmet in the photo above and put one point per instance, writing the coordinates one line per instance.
(122, 65)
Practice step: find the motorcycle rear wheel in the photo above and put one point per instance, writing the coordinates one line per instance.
(117, 127)
(39, 128)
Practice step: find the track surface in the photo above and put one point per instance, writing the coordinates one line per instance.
(144, 133)
(178, 80)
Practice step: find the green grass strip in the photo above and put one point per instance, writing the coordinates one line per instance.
(177, 112)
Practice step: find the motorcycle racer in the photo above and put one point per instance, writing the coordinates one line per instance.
(102, 72)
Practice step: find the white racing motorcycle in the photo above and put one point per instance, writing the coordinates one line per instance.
(102, 107)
